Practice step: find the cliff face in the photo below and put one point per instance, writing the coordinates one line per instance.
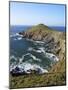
(54, 40)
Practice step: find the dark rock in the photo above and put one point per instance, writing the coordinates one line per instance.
(17, 71)
(22, 33)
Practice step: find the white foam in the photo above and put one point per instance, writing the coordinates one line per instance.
(19, 38)
(41, 42)
(13, 57)
(38, 42)
(34, 58)
(23, 56)
(29, 40)
(35, 67)
(52, 56)
(13, 35)
(40, 50)
(12, 67)
(30, 49)
(27, 67)
(16, 34)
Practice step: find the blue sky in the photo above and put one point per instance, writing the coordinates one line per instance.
(33, 13)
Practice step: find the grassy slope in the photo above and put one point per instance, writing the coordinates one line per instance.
(42, 27)
(57, 73)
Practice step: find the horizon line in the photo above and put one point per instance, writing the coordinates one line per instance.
(35, 25)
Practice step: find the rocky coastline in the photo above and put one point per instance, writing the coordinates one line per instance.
(53, 41)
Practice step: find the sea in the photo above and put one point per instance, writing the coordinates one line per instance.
(27, 54)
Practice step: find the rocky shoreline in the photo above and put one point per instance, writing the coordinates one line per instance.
(53, 41)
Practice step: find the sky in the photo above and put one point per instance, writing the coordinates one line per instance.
(34, 13)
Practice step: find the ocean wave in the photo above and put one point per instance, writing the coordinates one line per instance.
(16, 34)
(40, 42)
(42, 49)
(32, 49)
(13, 57)
(51, 56)
(23, 58)
(34, 58)
(27, 67)
(18, 38)
(30, 55)
(39, 50)
(36, 42)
